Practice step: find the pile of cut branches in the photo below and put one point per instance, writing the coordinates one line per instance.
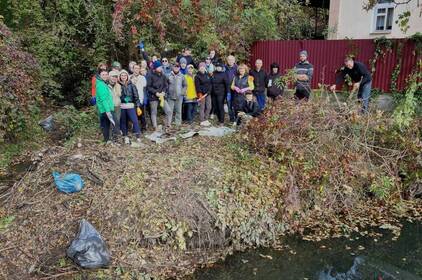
(339, 166)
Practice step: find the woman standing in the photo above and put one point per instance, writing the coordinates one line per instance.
(104, 104)
(274, 90)
(190, 101)
(220, 88)
(129, 104)
(203, 89)
(241, 83)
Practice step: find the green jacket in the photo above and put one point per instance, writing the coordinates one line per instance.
(104, 97)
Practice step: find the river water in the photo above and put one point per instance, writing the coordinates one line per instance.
(335, 259)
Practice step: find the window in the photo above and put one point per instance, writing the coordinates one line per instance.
(383, 16)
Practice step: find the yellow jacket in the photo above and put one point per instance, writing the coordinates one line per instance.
(191, 90)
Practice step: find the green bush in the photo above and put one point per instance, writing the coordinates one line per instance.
(71, 122)
(68, 38)
(19, 86)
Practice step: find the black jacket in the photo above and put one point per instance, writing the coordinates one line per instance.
(156, 83)
(273, 90)
(359, 73)
(220, 83)
(250, 108)
(203, 83)
(259, 80)
(215, 59)
(130, 94)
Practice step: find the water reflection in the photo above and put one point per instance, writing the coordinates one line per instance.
(335, 259)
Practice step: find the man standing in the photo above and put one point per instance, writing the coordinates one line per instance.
(304, 72)
(177, 91)
(116, 90)
(157, 86)
(361, 79)
(260, 81)
(140, 82)
(231, 71)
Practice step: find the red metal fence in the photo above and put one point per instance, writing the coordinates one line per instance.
(328, 55)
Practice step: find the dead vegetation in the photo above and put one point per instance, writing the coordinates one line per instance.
(340, 169)
(150, 209)
(164, 210)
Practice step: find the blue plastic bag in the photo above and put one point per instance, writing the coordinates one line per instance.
(68, 183)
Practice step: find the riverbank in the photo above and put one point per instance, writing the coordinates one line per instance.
(165, 210)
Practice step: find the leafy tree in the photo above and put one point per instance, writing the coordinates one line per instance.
(68, 38)
(229, 26)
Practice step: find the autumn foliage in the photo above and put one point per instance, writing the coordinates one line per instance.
(229, 26)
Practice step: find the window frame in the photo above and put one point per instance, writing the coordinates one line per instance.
(375, 16)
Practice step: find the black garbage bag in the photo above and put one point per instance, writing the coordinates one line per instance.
(88, 249)
(47, 124)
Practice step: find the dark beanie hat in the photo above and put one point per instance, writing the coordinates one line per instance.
(156, 64)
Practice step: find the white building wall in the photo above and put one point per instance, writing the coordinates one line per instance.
(348, 19)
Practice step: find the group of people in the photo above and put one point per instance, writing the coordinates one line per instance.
(184, 87)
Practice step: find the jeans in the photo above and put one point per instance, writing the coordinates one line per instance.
(106, 125)
(126, 115)
(261, 99)
(154, 109)
(190, 111)
(205, 108)
(231, 109)
(364, 94)
(174, 105)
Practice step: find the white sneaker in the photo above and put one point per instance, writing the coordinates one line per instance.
(205, 123)
(138, 140)
(212, 116)
(127, 140)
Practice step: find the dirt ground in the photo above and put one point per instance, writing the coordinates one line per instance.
(148, 203)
